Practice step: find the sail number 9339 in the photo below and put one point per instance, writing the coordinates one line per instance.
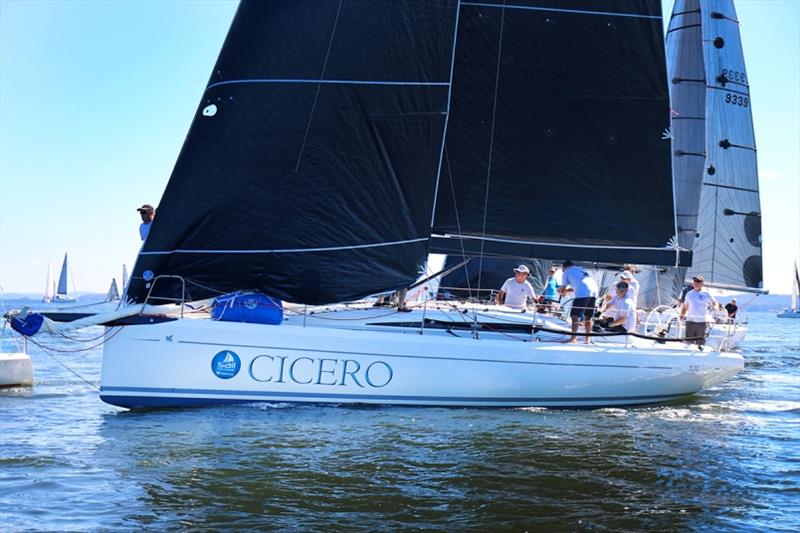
(737, 99)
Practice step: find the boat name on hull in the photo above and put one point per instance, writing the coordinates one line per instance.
(305, 370)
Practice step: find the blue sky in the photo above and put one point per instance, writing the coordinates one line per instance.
(96, 98)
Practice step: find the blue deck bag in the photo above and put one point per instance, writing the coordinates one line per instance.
(250, 307)
(29, 325)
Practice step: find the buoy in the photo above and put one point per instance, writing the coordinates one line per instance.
(16, 370)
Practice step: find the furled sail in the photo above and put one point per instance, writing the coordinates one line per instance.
(310, 168)
(557, 143)
(727, 250)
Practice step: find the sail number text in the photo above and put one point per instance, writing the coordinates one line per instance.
(737, 99)
(734, 75)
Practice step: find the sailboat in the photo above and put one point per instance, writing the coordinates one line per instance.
(59, 294)
(324, 169)
(113, 292)
(50, 286)
(794, 310)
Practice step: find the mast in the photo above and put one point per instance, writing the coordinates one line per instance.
(49, 289)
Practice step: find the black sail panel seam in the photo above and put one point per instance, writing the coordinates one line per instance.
(733, 187)
(743, 93)
(683, 27)
(557, 10)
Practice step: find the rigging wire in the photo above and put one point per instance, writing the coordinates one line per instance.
(491, 140)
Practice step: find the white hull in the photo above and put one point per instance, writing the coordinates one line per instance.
(789, 313)
(16, 370)
(170, 364)
(59, 300)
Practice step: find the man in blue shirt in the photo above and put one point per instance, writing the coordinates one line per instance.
(551, 286)
(578, 280)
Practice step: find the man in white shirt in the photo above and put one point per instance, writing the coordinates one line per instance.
(695, 311)
(583, 305)
(516, 291)
(628, 277)
(148, 213)
(624, 317)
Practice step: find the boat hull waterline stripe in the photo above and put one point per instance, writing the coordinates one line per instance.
(387, 397)
(556, 10)
(332, 82)
(284, 250)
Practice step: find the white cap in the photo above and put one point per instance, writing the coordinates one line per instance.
(522, 268)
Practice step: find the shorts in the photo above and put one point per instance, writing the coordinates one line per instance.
(583, 308)
(696, 329)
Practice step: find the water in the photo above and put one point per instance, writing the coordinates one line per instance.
(726, 460)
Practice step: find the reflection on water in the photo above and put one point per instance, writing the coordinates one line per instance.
(383, 468)
(723, 460)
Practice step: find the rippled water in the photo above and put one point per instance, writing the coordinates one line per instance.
(726, 460)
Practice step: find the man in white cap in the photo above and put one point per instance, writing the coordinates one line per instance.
(516, 291)
(627, 275)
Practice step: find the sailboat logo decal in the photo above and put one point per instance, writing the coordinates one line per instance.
(226, 364)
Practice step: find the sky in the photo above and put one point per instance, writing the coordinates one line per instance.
(96, 98)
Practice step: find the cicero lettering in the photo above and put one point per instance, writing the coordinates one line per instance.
(305, 370)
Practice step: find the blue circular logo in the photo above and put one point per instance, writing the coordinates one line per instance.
(226, 364)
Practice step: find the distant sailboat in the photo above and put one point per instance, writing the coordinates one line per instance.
(50, 286)
(61, 295)
(794, 310)
(113, 291)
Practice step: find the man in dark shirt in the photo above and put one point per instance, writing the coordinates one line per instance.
(731, 308)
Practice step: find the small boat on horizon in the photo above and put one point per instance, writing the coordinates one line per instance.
(793, 311)
(59, 294)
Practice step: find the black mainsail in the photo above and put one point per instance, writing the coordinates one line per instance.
(554, 145)
(335, 137)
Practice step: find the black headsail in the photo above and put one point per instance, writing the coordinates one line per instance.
(310, 168)
(556, 141)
